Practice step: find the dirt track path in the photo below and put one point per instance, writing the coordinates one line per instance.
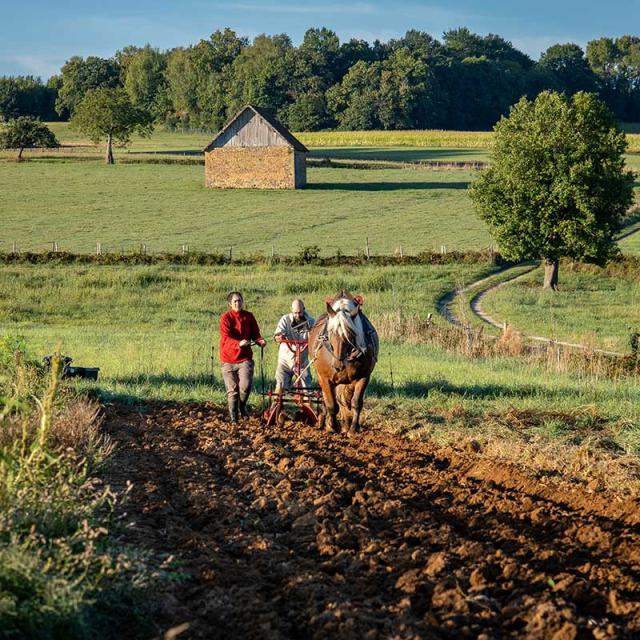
(296, 533)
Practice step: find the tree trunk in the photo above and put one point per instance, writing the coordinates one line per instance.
(19, 158)
(551, 274)
(109, 156)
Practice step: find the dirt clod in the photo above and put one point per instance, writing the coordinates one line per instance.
(293, 532)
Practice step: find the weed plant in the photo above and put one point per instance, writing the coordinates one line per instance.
(61, 575)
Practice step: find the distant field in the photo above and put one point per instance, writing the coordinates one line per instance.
(163, 140)
(396, 146)
(402, 154)
(77, 204)
(591, 308)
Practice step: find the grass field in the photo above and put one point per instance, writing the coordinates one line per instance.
(591, 308)
(631, 244)
(78, 204)
(150, 329)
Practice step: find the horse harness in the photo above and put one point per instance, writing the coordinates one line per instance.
(322, 341)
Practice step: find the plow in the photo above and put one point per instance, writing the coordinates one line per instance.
(300, 403)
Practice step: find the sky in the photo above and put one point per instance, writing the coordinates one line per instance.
(37, 36)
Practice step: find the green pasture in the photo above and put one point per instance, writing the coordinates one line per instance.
(591, 308)
(631, 244)
(78, 204)
(153, 332)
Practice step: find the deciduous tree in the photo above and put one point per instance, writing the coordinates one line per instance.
(557, 185)
(26, 132)
(80, 75)
(108, 115)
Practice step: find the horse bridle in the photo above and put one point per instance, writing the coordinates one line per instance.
(323, 339)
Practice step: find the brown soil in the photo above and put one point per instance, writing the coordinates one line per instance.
(295, 533)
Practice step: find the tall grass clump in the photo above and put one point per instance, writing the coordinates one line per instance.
(61, 575)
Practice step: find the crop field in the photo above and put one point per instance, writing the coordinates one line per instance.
(78, 204)
(166, 140)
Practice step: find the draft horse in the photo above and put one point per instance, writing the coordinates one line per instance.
(345, 349)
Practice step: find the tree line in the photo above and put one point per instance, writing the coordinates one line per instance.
(465, 81)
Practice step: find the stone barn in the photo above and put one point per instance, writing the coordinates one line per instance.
(253, 150)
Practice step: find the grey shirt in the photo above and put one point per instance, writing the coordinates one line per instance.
(298, 332)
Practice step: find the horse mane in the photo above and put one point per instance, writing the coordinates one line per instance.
(343, 325)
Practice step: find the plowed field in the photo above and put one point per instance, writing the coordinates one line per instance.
(295, 533)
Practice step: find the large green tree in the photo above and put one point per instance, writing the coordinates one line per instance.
(108, 115)
(568, 64)
(26, 132)
(557, 185)
(80, 75)
(145, 81)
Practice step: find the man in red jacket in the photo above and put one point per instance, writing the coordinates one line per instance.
(237, 329)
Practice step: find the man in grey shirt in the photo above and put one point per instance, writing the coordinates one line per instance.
(293, 326)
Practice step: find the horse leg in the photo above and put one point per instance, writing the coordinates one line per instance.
(330, 405)
(344, 395)
(357, 400)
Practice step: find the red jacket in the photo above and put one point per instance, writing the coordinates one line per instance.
(236, 326)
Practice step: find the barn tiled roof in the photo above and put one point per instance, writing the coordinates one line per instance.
(270, 118)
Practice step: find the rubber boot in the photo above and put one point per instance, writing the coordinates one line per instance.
(233, 411)
(244, 409)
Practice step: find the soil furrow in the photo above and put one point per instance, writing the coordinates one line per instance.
(296, 533)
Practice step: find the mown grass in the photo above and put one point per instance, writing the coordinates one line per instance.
(631, 244)
(78, 204)
(593, 307)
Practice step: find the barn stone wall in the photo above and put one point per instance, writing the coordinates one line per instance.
(250, 167)
(300, 164)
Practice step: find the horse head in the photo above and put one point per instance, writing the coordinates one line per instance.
(345, 332)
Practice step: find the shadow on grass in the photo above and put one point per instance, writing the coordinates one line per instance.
(383, 186)
(183, 382)
(418, 389)
(398, 155)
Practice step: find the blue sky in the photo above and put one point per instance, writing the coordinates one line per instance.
(36, 37)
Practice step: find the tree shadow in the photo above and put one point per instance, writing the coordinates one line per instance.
(421, 389)
(383, 186)
(396, 155)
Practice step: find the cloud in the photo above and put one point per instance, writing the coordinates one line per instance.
(32, 65)
(314, 8)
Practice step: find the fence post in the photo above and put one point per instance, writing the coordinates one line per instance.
(401, 252)
(230, 254)
(98, 248)
(15, 247)
(367, 247)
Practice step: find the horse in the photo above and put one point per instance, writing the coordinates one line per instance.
(344, 346)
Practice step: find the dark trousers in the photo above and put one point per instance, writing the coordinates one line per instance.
(238, 379)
